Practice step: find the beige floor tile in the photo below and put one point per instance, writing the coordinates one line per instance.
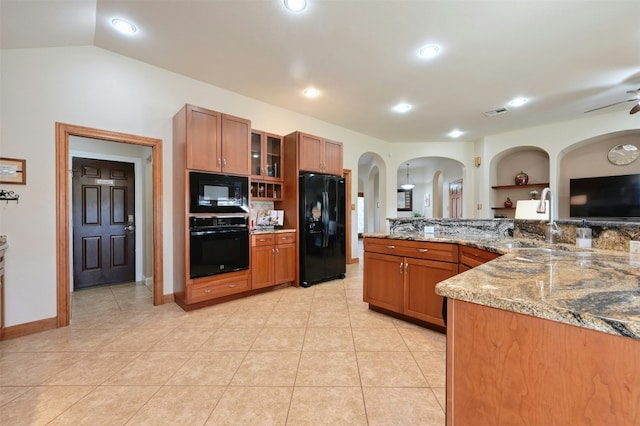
(392, 369)
(208, 369)
(150, 368)
(252, 406)
(179, 405)
(329, 319)
(288, 319)
(107, 405)
(328, 369)
(279, 339)
(213, 320)
(402, 406)
(433, 366)
(423, 339)
(183, 339)
(26, 369)
(327, 406)
(9, 393)
(231, 339)
(244, 318)
(378, 339)
(441, 396)
(370, 319)
(293, 306)
(267, 369)
(136, 340)
(39, 405)
(329, 304)
(93, 368)
(328, 339)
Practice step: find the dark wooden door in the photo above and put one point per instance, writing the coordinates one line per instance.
(103, 222)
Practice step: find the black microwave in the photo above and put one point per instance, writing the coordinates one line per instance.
(214, 193)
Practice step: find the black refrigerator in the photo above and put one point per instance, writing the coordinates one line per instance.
(322, 227)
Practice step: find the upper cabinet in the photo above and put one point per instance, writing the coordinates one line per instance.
(266, 156)
(215, 142)
(316, 154)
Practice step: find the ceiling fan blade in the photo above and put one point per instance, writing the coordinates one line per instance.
(610, 105)
(635, 108)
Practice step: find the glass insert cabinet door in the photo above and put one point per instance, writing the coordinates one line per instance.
(266, 155)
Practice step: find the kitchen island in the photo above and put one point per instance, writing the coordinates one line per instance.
(543, 335)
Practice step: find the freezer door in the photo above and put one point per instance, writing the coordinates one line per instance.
(312, 241)
(335, 232)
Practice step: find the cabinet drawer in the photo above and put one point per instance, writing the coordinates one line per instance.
(444, 252)
(262, 240)
(213, 288)
(472, 257)
(285, 238)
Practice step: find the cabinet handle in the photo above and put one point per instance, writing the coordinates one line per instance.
(233, 285)
(422, 250)
(406, 267)
(390, 247)
(208, 290)
(219, 162)
(262, 240)
(401, 264)
(224, 162)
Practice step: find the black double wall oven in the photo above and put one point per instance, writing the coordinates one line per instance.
(219, 232)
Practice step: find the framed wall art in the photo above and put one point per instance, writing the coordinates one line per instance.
(405, 200)
(13, 170)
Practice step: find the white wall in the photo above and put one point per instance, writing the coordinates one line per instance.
(92, 87)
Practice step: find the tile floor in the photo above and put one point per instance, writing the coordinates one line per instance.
(294, 356)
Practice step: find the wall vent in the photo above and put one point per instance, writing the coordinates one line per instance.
(495, 112)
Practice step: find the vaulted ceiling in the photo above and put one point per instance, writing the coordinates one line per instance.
(565, 56)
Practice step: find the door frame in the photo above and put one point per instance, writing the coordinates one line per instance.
(63, 210)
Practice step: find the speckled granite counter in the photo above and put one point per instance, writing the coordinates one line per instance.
(596, 289)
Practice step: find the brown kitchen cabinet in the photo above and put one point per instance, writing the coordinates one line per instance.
(316, 154)
(266, 156)
(273, 257)
(215, 286)
(401, 275)
(470, 257)
(215, 142)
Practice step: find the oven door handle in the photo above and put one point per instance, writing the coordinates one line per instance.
(219, 231)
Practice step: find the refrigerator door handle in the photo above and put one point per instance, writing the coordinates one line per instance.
(325, 219)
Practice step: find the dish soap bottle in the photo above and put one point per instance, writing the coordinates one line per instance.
(583, 235)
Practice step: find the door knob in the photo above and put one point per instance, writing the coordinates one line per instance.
(130, 228)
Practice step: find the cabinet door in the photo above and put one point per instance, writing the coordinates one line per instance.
(332, 158)
(285, 263)
(203, 139)
(383, 281)
(310, 154)
(421, 277)
(262, 263)
(236, 145)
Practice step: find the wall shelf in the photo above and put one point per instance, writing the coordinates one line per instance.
(529, 185)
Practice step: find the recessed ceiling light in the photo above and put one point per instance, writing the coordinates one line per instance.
(456, 133)
(516, 102)
(123, 26)
(295, 5)
(310, 92)
(429, 51)
(402, 107)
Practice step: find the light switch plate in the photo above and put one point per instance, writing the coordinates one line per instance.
(634, 247)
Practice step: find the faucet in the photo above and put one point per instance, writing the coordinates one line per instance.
(552, 227)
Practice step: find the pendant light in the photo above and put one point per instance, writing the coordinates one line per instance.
(407, 186)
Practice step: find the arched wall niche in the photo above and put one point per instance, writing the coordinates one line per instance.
(588, 158)
(531, 160)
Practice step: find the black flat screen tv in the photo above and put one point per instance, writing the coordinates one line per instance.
(606, 197)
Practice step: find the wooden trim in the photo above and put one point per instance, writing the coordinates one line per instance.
(348, 212)
(168, 298)
(63, 132)
(33, 327)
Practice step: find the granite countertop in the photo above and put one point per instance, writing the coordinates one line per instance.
(271, 231)
(591, 288)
